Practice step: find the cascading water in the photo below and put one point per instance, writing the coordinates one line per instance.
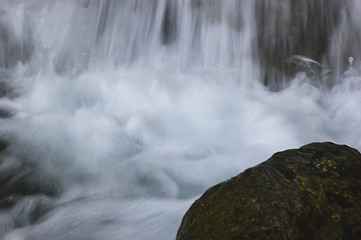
(116, 115)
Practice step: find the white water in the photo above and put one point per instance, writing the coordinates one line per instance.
(129, 127)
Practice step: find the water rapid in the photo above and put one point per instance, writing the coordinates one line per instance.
(116, 115)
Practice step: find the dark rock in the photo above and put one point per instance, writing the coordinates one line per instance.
(169, 26)
(287, 28)
(20, 178)
(3, 145)
(5, 89)
(13, 48)
(309, 193)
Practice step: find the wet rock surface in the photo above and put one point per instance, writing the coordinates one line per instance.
(305, 28)
(20, 179)
(309, 193)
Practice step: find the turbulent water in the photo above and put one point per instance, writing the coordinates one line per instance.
(117, 115)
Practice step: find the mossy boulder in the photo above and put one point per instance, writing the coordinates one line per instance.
(309, 193)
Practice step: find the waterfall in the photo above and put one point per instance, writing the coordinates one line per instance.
(116, 115)
(185, 34)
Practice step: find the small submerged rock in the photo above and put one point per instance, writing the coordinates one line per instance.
(309, 193)
(21, 178)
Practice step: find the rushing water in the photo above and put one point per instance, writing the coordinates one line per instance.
(116, 115)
